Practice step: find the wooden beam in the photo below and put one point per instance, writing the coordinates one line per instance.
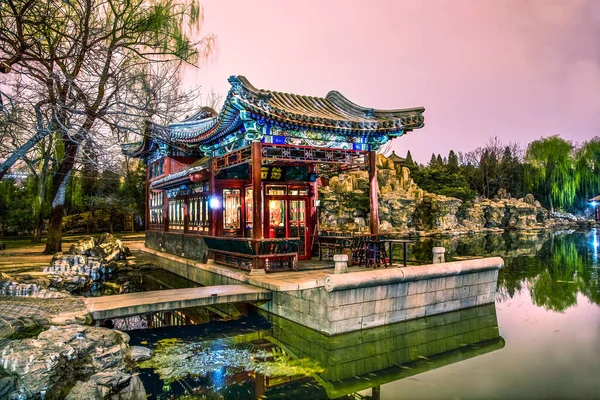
(373, 197)
(257, 203)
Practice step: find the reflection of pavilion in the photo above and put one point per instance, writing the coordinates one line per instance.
(367, 359)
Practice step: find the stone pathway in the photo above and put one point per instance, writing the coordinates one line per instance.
(123, 305)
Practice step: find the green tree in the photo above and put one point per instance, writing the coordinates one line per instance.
(551, 172)
(588, 169)
(409, 160)
(452, 165)
(90, 61)
(432, 161)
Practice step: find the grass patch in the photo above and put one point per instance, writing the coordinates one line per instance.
(27, 332)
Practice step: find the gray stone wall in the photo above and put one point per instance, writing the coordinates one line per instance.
(359, 308)
(188, 246)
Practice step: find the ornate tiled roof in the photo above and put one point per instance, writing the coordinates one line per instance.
(332, 114)
(333, 111)
(173, 178)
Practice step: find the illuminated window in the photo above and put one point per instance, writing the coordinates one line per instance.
(176, 213)
(249, 214)
(156, 210)
(231, 208)
(276, 190)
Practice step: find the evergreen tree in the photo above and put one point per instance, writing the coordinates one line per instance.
(452, 162)
(432, 162)
(409, 160)
(438, 161)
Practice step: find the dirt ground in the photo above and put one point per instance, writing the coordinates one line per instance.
(23, 258)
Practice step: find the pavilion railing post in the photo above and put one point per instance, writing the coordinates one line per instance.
(373, 197)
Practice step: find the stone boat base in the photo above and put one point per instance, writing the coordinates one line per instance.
(359, 299)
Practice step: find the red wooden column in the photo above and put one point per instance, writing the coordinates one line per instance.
(257, 203)
(212, 214)
(373, 198)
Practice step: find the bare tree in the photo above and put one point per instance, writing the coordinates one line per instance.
(89, 58)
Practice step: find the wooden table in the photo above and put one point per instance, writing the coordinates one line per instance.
(391, 243)
(331, 243)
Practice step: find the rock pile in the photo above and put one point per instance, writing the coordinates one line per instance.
(89, 257)
(70, 362)
(407, 209)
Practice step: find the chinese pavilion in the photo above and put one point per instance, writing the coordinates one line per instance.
(242, 183)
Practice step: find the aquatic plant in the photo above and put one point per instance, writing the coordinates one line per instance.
(174, 360)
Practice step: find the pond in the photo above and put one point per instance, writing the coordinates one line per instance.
(540, 340)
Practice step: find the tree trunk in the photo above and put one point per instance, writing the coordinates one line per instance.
(58, 191)
(54, 243)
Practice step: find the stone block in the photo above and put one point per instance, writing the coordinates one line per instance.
(476, 290)
(350, 311)
(452, 305)
(468, 302)
(486, 298)
(400, 303)
(416, 300)
(417, 312)
(434, 309)
(397, 290)
(344, 297)
(385, 305)
(442, 296)
(396, 316)
(314, 295)
(454, 282)
(375, 293)
(318, 310)
(346, 325)
(470, 279)
(460, 293)
(433, 285)
(417, 287)
(371, 321)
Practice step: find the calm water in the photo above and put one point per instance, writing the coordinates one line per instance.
(540, 340)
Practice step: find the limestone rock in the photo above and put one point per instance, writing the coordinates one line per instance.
(139, 353)
(60, 355)
(407, 209)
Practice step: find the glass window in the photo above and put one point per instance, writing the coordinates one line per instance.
(156, 210)
(276, 190)
(231, 208)
(176, 213)
(249, 214)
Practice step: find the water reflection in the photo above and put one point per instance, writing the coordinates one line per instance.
(287, 360)
(553, 266)
(365, 359)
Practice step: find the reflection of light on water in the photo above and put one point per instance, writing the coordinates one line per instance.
(595, 245)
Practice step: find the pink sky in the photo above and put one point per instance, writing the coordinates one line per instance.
(518, 69)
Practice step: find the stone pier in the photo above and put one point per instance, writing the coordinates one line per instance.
(361, 298)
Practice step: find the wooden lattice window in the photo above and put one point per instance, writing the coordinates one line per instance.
(157, 220)
(198, 213)
(176, 213)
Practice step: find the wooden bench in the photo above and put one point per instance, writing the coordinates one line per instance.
(254, 254)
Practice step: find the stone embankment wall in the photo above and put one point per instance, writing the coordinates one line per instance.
(366, 299)
(360, 300)
(407, 209)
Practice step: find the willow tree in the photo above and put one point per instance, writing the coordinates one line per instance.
(551, 171)
(588, 168)
(88, 61)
